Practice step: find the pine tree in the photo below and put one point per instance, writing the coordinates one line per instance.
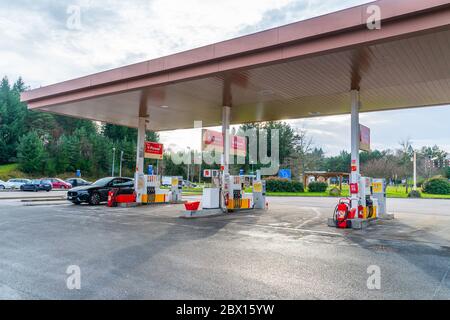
(30, 153)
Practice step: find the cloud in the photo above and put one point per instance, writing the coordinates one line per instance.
(37, 45)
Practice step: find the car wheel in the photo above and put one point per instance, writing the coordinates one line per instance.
(94, 199)
(2, 188)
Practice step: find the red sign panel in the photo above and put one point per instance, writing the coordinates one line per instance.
(364, 138)
(207, 173)
(153, 150)
(213, 141)
(239, 146)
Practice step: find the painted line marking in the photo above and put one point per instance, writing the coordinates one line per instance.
(440, 284)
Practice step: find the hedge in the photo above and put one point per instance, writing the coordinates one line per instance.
(316, 186)
(283, 185)
(436, 185)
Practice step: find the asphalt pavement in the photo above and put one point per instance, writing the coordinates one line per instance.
(287, 252)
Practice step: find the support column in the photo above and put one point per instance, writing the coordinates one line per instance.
(140, 145)
(355, 175)
(415, 171)
(138, 183)
(226, 114)
(226, 111)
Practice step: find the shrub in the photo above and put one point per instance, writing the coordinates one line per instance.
(335, 192)
(414, 194)
(420, 183)
(436, 185)
(283, 185)
(316, 186)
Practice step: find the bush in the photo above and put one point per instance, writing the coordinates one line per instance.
(316, 186)
(414, 194)
(335, 192)
(283, 185)
(436, 185)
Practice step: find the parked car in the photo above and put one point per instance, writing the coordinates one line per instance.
(58, 183)
(37, 185)
(16, 183)
(189, 184)
(2, 185)
(97, 192)
(78, 182)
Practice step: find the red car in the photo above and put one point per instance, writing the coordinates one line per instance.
(59, 184)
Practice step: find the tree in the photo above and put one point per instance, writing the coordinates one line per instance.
(404, 156)
(172, 169)
(286, 140)
(12, 114)
(118, 133)
(340, 163)
(303, 157)
(379, 168)
(30, 153)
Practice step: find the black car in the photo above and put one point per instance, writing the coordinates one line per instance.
(97, 192)
(78, 182)
(37, 185)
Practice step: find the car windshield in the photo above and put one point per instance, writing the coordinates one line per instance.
(102, 182)
(36, 181)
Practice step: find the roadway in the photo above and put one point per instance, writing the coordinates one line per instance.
(287, 252)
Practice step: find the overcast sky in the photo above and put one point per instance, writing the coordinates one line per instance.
(44, 42)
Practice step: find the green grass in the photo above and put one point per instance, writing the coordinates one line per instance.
(392, 192)
(8, 171)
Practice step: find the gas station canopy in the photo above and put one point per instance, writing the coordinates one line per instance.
(304, 69)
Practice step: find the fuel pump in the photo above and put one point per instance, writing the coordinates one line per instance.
(366, 200)
(234, 198)
(153, 193)
(259, 192)
(211, 194)
(379, 193)
(176, 189)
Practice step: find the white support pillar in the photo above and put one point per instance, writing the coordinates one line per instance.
(226, 111)
(415, 171)
(140, 145)
(138, 184)
(226, 115)
(355, 175)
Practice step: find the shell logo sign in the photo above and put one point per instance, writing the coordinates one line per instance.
(213, 141)
(153, 150)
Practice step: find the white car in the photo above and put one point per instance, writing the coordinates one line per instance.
(2, 185)
(16, 183)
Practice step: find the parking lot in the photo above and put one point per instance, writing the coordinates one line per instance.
(287, 252)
